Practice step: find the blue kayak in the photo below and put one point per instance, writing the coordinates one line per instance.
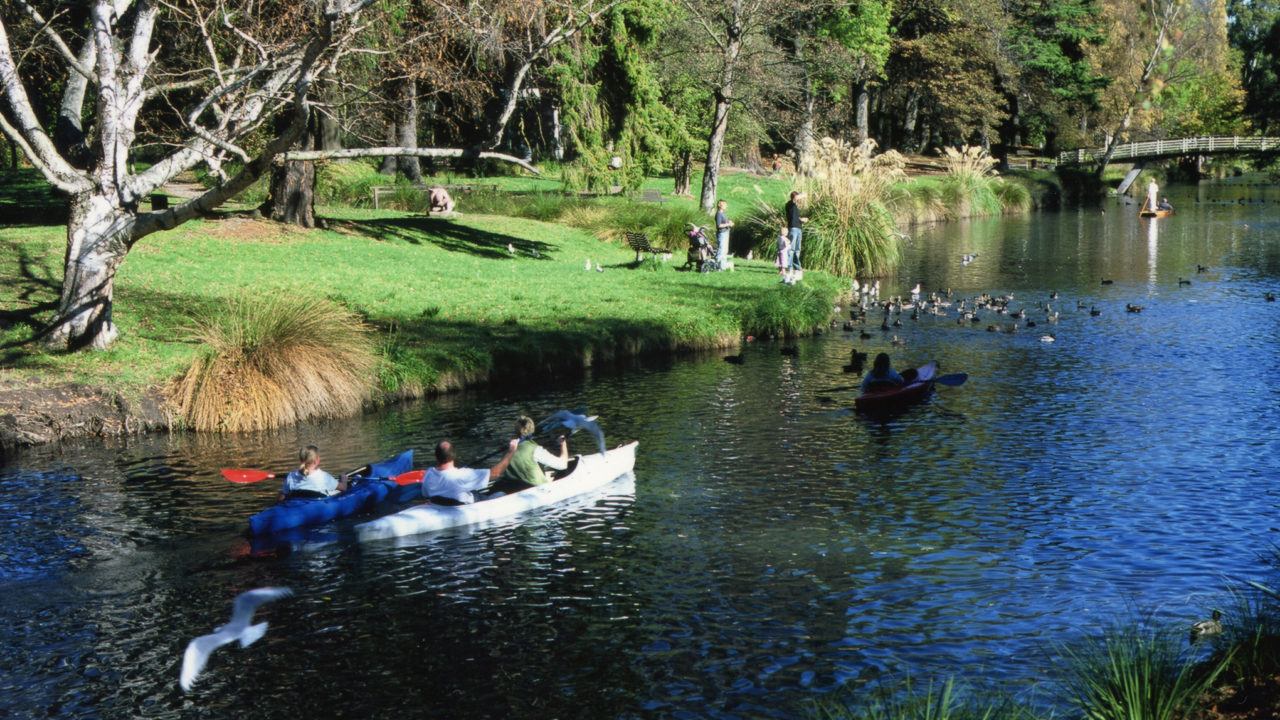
(361, 497)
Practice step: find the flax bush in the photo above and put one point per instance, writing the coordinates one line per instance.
(274, 361)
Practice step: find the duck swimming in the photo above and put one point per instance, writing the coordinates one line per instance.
(1205, 628)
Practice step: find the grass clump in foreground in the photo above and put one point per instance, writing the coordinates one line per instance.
(273, 361)
(1137, 672)
(934, 703)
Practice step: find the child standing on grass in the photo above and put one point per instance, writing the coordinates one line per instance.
(783, 260)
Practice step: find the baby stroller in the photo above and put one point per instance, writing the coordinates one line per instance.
(702, 252)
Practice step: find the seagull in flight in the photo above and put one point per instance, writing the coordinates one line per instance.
(575, 422)
(238, 628)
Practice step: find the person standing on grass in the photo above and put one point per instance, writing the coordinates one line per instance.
(783, 260)
(723, 223)
(794, 224)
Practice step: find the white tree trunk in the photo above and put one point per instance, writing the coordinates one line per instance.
(98, 238)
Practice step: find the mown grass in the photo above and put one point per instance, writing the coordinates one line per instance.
(448, 302)
(445, 296)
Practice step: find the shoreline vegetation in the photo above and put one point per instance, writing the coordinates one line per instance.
(524, 280)
(226, 313)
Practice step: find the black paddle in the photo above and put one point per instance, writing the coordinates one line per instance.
(952, 380)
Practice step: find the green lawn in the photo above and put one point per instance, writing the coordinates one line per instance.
(446, 294)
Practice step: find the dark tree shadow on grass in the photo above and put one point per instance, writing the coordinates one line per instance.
(445, 235)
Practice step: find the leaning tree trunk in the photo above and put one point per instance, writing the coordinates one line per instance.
(99, 235)
(715, 151)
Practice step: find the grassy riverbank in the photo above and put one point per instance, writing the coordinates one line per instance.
(451, 302)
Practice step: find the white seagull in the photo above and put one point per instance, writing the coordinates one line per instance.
(511, 248)
(238, 628)
(575, 422)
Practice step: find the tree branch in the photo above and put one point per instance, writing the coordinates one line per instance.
(401, 151)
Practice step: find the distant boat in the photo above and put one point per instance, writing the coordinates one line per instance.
(1154, 213)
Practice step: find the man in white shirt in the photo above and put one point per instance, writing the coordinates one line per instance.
(447, 484)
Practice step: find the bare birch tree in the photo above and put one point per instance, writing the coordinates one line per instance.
(248, 65)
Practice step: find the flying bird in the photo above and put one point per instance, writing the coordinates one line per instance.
(575, 422)
(238, 628)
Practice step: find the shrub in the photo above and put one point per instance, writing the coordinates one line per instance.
(274, 361)
(850, 230)
(790, 310)
(1136, 672)
(934, 703)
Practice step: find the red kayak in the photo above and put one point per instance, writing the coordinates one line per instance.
(919, 384)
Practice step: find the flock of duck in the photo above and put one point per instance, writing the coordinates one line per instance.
(1002, 313)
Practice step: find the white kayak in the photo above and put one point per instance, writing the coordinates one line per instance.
(587, 473)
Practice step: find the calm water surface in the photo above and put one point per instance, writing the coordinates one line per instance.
(771, 549)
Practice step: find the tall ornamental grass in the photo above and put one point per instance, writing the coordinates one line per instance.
(851, 231)
(273, 361)
(1137, 672)
(933, 703)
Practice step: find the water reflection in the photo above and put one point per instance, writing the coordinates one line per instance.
(771, 548)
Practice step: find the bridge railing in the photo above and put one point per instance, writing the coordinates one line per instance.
(1172, 148)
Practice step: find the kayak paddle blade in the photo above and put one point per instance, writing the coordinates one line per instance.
(954, 379)
(245, 476)
(409, 478)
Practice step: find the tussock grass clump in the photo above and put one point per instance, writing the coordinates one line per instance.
(933, 703)
(274, 361)
(850, 230)
(1137, 672)
(790, 310)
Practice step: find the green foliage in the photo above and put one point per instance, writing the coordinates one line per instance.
(934, 703)
(1135, 672)
(791, 310)
(273, 360)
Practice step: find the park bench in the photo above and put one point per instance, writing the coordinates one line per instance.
(640, 243)
(380, 190)
(653, 196)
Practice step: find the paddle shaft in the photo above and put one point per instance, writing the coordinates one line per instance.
(237, 475)
(951, 380)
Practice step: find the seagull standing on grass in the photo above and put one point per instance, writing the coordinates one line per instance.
(575, 422)
(238, 628)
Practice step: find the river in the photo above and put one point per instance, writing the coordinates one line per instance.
(772, 549)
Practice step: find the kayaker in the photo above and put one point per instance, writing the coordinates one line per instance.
(309, 481)
(447, 484)
(881, 374)
(526, 465)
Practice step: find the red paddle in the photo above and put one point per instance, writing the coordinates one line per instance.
(252, 476)
(245, 476)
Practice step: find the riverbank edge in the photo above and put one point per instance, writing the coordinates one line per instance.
(33, 413)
